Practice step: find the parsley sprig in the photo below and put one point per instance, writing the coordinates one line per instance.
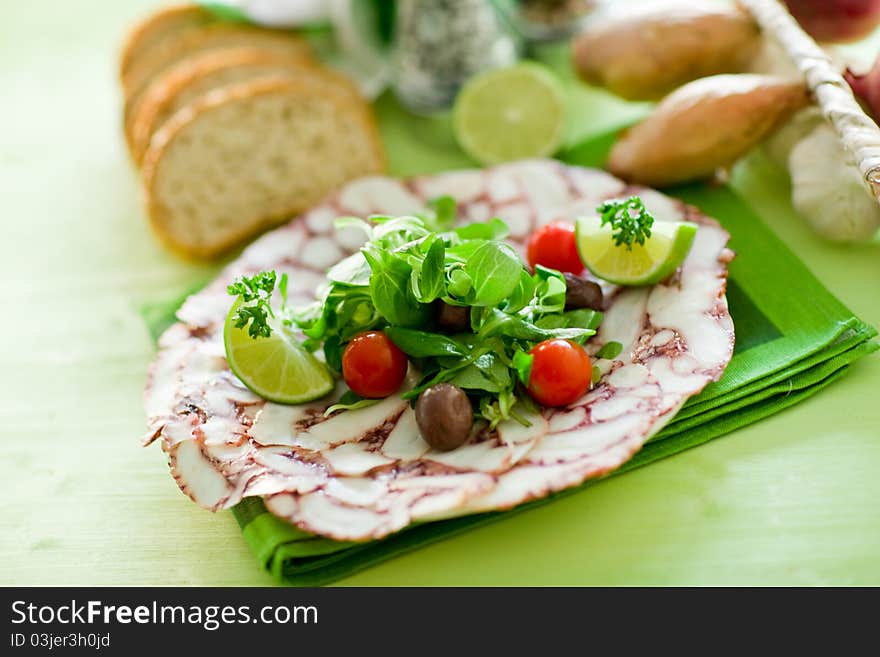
(630, 218)
(255, 293)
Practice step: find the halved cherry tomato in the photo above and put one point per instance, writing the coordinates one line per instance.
(561, 372)
(554, 246)
(372, 365)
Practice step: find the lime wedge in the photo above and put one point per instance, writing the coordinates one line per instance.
(277, 368)
(510, 113)
(646, 264)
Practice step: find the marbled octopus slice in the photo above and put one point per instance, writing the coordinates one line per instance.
(363, 474)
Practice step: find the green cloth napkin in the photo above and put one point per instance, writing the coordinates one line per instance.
(793, 338)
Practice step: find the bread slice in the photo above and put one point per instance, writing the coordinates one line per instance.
(195, 76)
(214, 36)
(156, 27)
(246, 157)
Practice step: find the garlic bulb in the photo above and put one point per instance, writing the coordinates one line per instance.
(769, 58)
(827, 188)
(778, 145)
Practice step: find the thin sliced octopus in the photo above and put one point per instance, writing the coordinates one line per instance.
(363, 474)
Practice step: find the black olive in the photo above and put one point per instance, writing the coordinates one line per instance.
(453, 319)
(445, 416)
(581, 293)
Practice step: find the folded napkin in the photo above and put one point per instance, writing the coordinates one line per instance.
(793, 338)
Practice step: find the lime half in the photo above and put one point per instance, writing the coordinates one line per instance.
(277, 368)
(510, 113)
(646, 264)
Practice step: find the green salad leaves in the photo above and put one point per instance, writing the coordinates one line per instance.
(408, 268)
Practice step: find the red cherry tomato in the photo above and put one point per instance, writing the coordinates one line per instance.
(561, 372)
(554, 246)
(372, 365)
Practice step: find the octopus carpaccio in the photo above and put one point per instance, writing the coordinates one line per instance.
(363, 474)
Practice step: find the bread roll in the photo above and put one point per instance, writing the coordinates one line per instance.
(645, 52)
(704, 125)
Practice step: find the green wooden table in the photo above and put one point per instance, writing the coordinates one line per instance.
(790, 500)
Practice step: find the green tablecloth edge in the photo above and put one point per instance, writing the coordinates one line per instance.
(781, 388)
(853, 334)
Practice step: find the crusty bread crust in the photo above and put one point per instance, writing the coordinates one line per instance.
(348, 112)
(163, 94)
(154, 27)
(166, 52)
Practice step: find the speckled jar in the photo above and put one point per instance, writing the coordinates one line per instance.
(439, 44)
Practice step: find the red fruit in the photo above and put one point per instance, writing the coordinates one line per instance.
(373, 366)
(554, 246)
(836, 21)
(561, 372)
(867, 89)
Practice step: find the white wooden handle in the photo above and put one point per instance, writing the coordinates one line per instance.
(857, 131)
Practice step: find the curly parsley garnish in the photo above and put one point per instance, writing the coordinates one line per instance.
(630, 218)
(255, 293)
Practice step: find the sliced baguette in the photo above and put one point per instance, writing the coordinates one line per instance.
(197, 75)
(156, 27)
(246, 157)
(214, 36)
